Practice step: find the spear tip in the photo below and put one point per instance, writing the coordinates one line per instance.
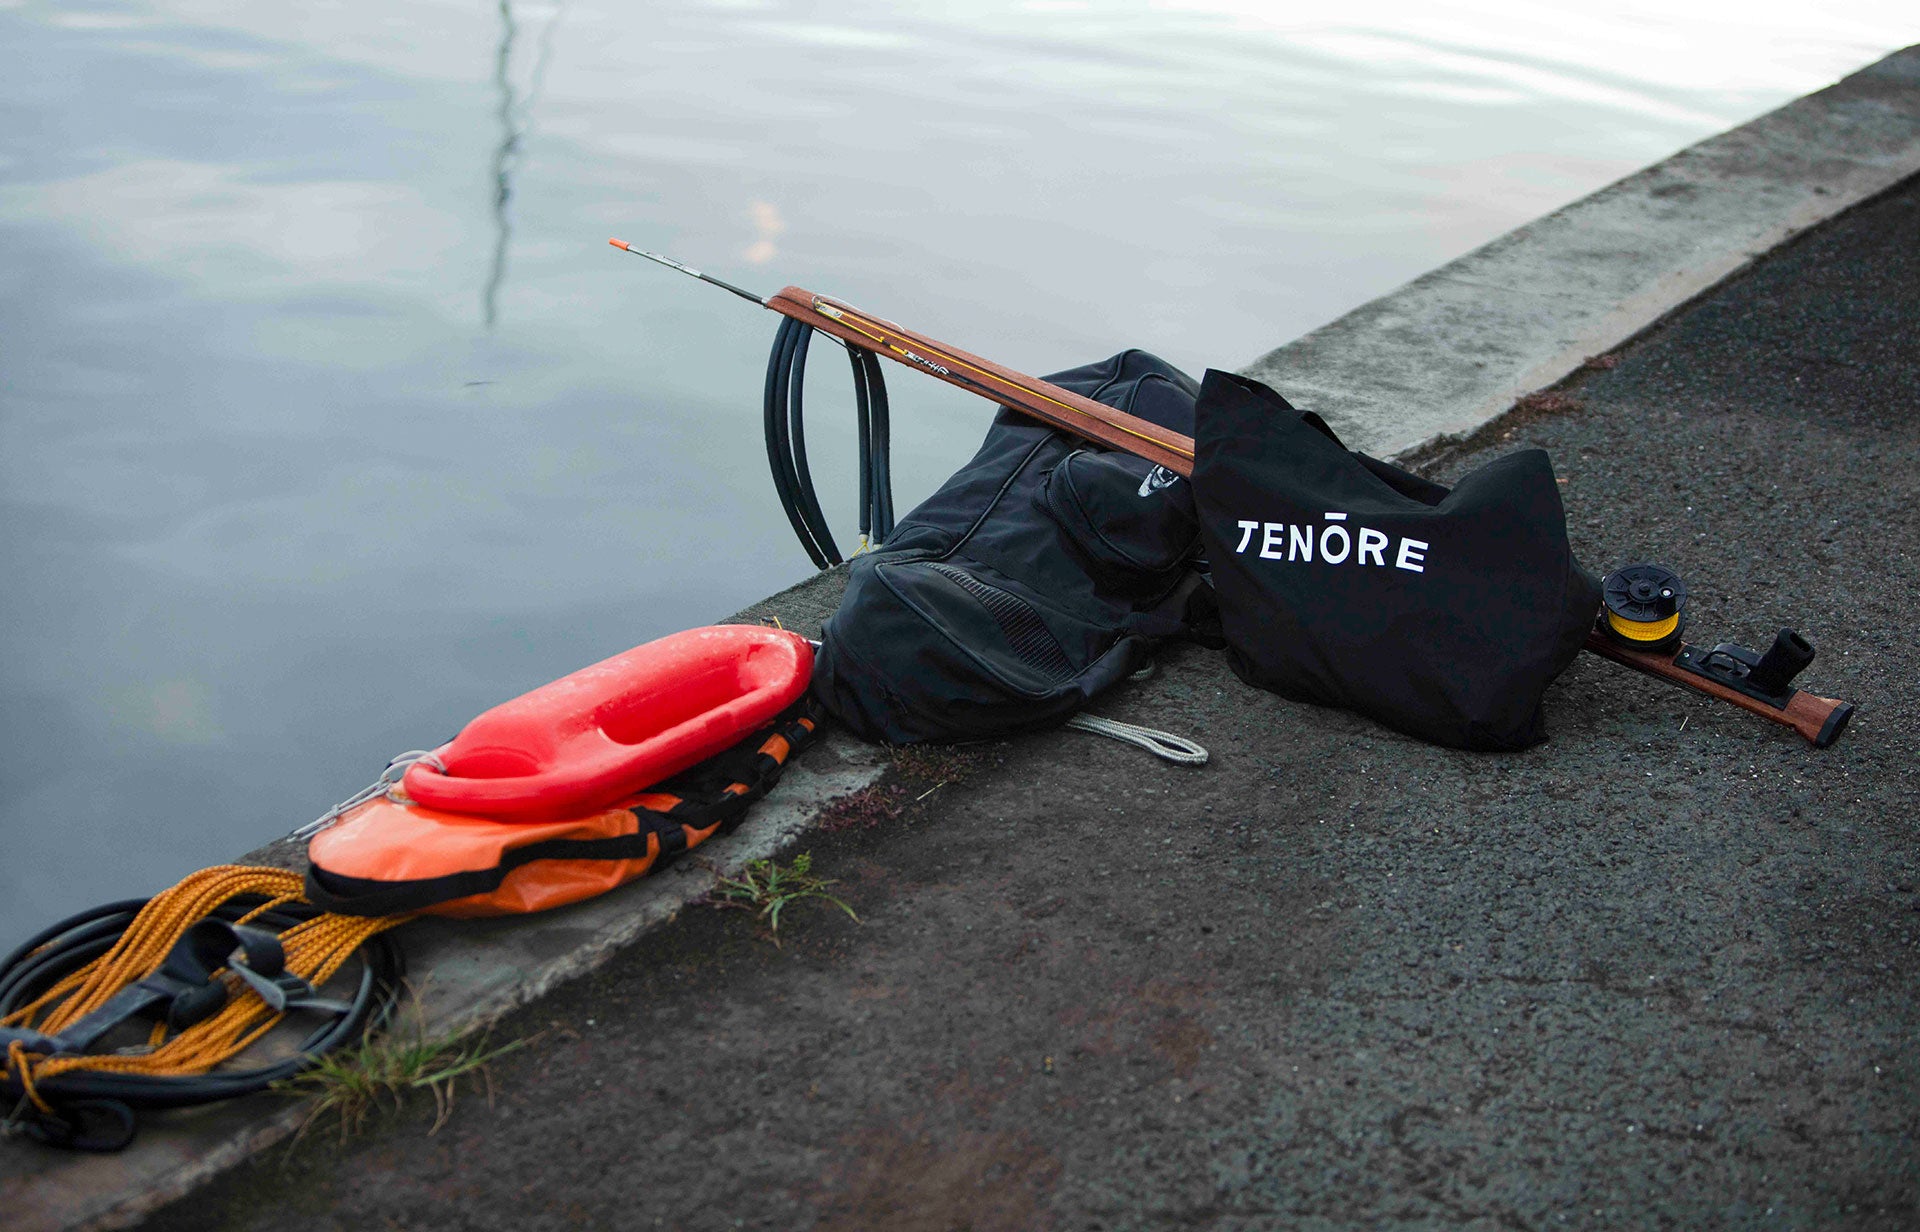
(621, 244)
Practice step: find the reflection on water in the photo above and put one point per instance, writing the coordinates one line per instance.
(513, 118)
(502, 185)
(278, 502)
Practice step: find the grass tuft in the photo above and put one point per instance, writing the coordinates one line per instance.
(766, 888)
(353, 1084)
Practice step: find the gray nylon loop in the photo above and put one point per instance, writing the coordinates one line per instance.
(1164, 745)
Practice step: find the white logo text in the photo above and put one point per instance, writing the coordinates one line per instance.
(1363, 545)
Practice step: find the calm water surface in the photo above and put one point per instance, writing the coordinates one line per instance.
(328, 419)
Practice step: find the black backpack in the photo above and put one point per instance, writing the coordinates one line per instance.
(1040, 574)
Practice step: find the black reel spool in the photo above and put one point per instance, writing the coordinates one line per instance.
(787, 443)
(1645, 606)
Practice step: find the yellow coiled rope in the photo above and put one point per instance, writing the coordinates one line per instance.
(1643, 630)
(315, 948)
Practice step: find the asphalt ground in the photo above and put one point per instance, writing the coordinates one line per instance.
(1657, 972)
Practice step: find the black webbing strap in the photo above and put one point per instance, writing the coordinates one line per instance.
(182, 990)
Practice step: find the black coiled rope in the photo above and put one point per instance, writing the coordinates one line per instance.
(787, 444)
(94, 1109)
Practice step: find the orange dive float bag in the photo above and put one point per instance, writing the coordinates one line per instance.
(579, 786)
(389, 857)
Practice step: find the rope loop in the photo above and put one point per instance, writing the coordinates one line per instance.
(1164, 745)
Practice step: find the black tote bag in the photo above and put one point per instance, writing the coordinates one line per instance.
(1344, 581)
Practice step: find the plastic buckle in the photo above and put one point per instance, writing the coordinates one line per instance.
(283, 991)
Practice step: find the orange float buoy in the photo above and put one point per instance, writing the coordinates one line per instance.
(606, 731)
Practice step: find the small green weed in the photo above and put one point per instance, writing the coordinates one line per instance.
(355, 1083)
(766, 889)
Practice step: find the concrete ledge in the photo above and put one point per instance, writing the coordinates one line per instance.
(1438, 357)
(1456, 347)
